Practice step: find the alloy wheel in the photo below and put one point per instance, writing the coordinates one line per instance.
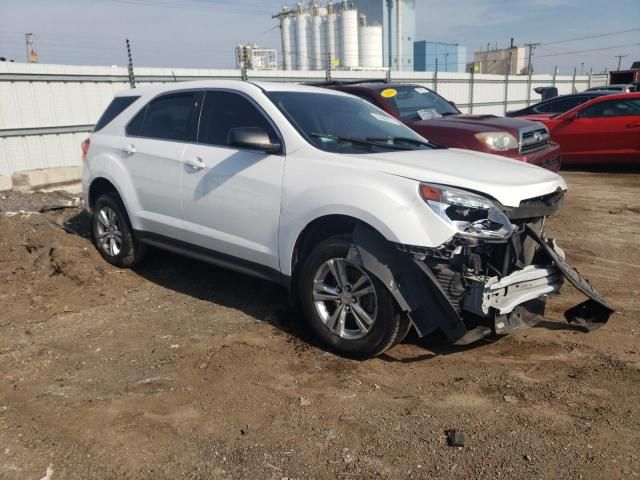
(345, 298)
(109, 235)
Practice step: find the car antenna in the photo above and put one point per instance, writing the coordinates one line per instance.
(174, 76)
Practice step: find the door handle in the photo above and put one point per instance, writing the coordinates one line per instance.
(196, 163)
(633, 125)
(130, 149)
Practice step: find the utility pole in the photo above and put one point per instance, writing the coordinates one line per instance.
(532, 47)
(28, 39)
(446, 61)
(620, 57)
(581, 68)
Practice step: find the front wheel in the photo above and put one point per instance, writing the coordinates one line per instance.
(346, 306)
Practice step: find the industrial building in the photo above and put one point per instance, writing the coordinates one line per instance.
(253, 57)
(499, 61)
(449, 57)
(350, 35)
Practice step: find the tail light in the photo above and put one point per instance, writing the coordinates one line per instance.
(84, 146)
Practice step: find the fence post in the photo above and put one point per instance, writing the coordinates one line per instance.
(435, 77)
(573, 80)
(327, 73)
(590, 77)
(529, 87)
(471, 82)
(243, 66)
(506, 90)
(132, 78)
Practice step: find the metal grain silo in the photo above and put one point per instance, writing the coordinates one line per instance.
(331, 32)
(370, 45)
(301, 51)
(285, 32)
(348, 22)
(316, 47)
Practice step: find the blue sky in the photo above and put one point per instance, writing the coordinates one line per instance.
(203, 33)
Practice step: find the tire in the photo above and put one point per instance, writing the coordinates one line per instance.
(112, 232)
(405, 328)
(321, 298)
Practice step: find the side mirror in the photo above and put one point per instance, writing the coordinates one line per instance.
(570, 116)
(453, 104)
(253, 138)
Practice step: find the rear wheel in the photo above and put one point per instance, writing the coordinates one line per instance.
(346, 306)
(112, 232)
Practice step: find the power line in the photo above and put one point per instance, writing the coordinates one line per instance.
(598, 35)
(588, 50)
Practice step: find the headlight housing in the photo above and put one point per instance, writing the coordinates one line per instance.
(499, 141)
(471, 214)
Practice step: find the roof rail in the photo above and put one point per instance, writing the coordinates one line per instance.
(346, 82)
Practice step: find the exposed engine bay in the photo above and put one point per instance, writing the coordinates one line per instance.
(471, 287)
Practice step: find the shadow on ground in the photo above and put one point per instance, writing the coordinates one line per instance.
(262, 300)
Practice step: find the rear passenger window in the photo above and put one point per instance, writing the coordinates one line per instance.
(115, 108)
(170, 117)
(223, 111)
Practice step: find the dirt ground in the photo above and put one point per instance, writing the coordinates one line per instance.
(182, 370)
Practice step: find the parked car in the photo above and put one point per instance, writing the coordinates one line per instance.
(603, 130)
(622, 88)
(559, 104)
(439, 120)
(372, 229)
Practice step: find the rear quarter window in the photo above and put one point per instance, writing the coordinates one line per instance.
(115, 108)
(170, 117)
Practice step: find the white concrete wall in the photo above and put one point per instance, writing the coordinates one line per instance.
(47, 110)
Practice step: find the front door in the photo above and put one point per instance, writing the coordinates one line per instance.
(231, 196)
(606, 131)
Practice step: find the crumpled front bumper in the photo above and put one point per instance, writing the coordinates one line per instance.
(504, 294)
(503, 300)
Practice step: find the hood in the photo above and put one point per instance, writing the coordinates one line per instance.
(539, 117)
(506, 180)
(475, 123)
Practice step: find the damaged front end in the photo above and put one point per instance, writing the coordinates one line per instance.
(492, 277)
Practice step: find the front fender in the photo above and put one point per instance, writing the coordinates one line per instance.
(391, 205)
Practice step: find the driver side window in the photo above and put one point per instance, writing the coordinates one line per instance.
(613, 108)
(222, 111)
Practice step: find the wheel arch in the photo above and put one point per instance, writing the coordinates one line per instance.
(99, 186)
(318, 230)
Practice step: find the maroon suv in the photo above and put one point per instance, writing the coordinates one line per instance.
(442, 123)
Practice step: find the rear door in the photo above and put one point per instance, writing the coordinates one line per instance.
(606, 131)
(152, 149)
(231, 196)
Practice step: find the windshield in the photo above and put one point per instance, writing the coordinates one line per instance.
(344, 124)
(417, 103)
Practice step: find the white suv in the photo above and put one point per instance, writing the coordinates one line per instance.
(372, 228)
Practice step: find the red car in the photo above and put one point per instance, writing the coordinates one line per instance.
(440, 121)
(603, 130)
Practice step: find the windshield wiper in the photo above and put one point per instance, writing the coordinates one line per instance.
(361, 141)
(410, 141)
